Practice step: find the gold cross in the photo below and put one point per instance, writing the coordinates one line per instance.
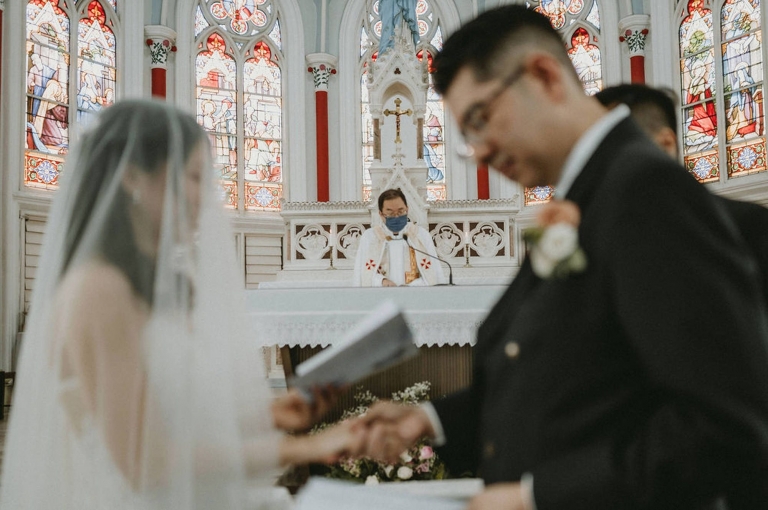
(397, 112)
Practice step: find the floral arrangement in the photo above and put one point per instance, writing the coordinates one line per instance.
(420, 462)
(555, 250)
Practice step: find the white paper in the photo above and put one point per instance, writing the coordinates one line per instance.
(380, 340)
(325, 494)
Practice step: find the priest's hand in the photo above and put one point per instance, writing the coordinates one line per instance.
(293, 412)
(388, 283)
(392, 429)
(501, 496)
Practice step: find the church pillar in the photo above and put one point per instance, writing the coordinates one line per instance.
(322, 66)
(160, 40)
(635, 31)
(483, 187)
(2, 7)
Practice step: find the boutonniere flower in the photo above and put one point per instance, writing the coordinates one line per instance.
(554, 243)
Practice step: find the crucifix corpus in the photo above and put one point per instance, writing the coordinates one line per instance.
(397, 112)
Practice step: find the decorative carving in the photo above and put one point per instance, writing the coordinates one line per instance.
(634, 30)
(313, 242)
(487, 239)
(361, 207)
(448, 239)
(490, 204)
(635, 41)
(349, 239)
(160, 40)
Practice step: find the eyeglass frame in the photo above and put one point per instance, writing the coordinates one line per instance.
(396, 214)
(475, 119)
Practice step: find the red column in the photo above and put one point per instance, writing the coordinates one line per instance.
(637, 69)
(635, 33)
(322, 66)
(321, 114)
(160, 42)
(483, 189)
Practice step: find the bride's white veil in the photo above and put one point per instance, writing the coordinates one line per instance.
(138, 383)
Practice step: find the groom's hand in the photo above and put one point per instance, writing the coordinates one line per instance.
(293, 412)
(392, 429)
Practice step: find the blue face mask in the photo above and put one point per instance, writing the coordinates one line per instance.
(397, 223)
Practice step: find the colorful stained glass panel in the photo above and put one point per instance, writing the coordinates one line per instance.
(587, 60)
(745, 159)
(263, 196)
(744, 114)
(696, 29)
(594, 15)
(704, 167)
(200, 22)
(739, 17)
(96, 63)
(699, 127)
(263, 160)
(538, 195)
(42, 171)
(742, 62)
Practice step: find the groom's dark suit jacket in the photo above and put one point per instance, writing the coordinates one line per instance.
(641, 382)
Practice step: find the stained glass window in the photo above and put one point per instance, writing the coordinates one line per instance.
(434, 120)
(52, 101)
(729, 142)
(578, 21)
(239, 98)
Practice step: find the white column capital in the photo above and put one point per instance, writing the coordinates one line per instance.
(633, 30)
(160, 40)
(322, 66)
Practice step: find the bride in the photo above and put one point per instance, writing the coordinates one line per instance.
(140, 385)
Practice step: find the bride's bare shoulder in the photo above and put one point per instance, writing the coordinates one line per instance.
(94, 282)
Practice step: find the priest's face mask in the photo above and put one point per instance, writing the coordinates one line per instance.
(394, 214)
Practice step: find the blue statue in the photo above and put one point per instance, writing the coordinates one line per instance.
(393, 13)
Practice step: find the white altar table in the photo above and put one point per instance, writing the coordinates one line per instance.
(313, 317)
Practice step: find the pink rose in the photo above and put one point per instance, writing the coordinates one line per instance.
(426, 452)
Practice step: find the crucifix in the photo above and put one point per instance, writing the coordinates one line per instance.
(397, 112)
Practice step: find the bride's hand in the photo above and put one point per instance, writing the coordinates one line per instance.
(293, 412)
(341, 440)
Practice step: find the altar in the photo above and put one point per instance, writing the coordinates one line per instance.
(444, 321)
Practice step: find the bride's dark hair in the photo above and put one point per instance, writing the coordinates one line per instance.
(141, 134)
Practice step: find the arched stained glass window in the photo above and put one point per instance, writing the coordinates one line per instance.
(578, 21)
(721, 73)
(239, 98)
(434, 121)
(59, 93)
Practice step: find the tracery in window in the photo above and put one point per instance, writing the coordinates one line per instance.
(52, 96)
(239, 98)
(723, 130)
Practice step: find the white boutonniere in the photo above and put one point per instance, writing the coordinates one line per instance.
(554, 243)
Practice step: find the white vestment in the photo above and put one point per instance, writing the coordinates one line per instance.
(383, 254)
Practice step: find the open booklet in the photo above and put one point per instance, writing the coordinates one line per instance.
(322, 494)
(379, 341)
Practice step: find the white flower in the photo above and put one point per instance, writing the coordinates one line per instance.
(388, 470)
(405, 457)
(556, 252)
(404, 473)
(372, 480)
(542, 265)
(559, 241)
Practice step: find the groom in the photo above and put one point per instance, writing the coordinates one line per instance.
(638, 382)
